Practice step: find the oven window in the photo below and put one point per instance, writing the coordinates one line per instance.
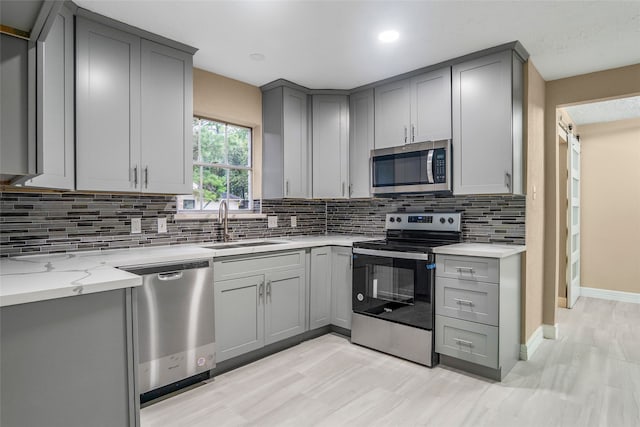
(391, 283)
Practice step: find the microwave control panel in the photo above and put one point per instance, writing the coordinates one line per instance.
(440, 166)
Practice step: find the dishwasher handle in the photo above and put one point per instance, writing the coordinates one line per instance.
(171, 275)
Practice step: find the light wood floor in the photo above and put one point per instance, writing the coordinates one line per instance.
(588, 377)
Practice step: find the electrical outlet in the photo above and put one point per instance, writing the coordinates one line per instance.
(136, 225)
(162, 225)
(272, 221)
(294, 221)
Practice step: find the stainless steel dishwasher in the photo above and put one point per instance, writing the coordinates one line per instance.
(175, 324)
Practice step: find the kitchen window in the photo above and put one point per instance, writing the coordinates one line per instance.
(222, 168)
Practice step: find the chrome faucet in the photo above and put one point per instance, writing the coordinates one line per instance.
(224, 219)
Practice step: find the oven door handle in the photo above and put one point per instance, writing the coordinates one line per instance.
(393, 254)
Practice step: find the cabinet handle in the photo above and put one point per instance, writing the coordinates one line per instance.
(343, 189)
(507, 180)
(286, 191)
(146, 177)
(350, 190)
(463, 342)
(261, 290)
(413, 133)
(405, 134)
(268, 288)
(463, 302)
(135, 176)
(469, 270)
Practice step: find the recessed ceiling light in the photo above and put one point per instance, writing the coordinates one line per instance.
(257, 56)
(388, 36)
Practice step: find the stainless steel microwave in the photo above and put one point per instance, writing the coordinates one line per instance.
(413, 168)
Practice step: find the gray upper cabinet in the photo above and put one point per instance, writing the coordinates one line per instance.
(17, 111)
(285, 154)
(167, 115)
(107, 108)
(54, 107)
(133, 112)
(361, 130)
(414, 110)
(487, 125)
(330, 146)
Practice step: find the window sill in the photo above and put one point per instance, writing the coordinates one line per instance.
(184, 216)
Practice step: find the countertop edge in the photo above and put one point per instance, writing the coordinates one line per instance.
(485, 250)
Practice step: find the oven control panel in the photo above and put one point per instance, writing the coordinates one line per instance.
(450, 221)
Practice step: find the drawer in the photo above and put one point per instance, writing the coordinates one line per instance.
(233, 267)
(468, 268)
(473, 342)
(467, 300)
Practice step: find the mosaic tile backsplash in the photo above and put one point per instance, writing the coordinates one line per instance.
(38, 223)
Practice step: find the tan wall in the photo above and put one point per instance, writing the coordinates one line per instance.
(613, 83)
(610, 198)
(534, 136)
(222, 98)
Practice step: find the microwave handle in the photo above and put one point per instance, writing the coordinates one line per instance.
(430, 167)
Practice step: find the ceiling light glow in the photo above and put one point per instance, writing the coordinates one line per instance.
(388, 36)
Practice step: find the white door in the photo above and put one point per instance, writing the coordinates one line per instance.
(573, 238)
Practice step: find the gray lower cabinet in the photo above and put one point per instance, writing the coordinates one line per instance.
(477, 309)
(69, 362)
(259, 300)
(341, 278)
(360, 142)
(330, 287)
(133, 112)
(487, 99)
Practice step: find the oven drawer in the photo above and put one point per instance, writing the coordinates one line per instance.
(468, 268)
(473, 342)
(467, 300)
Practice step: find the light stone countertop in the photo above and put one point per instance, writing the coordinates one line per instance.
(32, 278)
(487, 250)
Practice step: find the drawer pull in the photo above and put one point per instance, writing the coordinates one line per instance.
(463, 302)
(467, 269)
(463, 342)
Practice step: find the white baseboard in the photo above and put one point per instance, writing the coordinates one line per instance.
(534, 341)
(610, 295)
(550, 332)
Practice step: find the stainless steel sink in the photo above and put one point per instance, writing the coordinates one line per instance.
(233, 245)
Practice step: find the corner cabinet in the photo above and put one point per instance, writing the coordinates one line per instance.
(285, 154)
(259, 300)
(133, 112)
(330, 287)
(330, 146)
(414, 110)
(487, 125)
(361, 131)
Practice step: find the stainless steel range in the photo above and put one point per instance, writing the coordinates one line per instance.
(393, 285)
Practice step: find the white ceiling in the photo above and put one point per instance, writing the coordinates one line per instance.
(605, 111)
(333, 44)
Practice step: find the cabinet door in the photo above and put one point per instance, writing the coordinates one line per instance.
(392, 114)
(285, 308)
(239, 316)
(341, 287)
(107, 108)
(69, 362)
(167, 117)
(295, 144)
(360, 142)
(55, 116)
(320, 289)
(330, 146)
(482, 125)
(431, 106)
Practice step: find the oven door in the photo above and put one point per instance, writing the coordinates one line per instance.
(394, 286)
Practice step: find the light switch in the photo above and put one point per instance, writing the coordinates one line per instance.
(136, 225)
(162, 225)
(272, 221)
